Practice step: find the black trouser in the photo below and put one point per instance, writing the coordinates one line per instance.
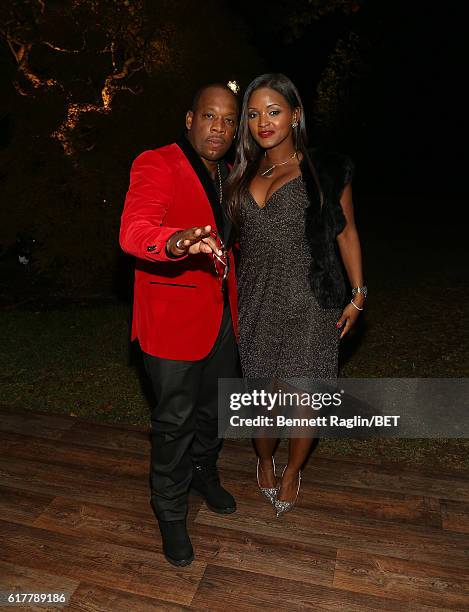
(184, 421)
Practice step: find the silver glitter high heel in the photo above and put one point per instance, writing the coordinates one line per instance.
(284, 506)
(270, 493)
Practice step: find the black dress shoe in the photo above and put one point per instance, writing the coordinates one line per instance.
(206, 482)
(177, 545)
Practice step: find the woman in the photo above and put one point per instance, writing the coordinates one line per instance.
(295, 214)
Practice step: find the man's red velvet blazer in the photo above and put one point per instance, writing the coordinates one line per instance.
(178, 303)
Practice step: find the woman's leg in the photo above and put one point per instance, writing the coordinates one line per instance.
(265, 446)
(265, 449)
(298, 452)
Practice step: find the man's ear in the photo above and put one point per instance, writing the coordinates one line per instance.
(189, 117)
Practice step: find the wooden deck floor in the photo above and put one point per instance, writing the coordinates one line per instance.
(74, 516)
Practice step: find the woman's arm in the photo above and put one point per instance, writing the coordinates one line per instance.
(350, 251)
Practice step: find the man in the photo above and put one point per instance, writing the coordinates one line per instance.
(184, 309)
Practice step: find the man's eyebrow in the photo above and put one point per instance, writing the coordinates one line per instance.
(212, 109)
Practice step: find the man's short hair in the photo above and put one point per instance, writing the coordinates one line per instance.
(200, 91)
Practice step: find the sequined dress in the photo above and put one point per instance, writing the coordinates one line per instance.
(283, 330)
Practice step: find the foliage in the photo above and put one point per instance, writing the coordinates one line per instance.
(306, 12)
(288, 21)
(338, 87)
(91, 84)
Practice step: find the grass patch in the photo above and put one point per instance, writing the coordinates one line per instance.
(77, 360)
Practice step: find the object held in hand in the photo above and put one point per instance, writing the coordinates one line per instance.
(221, 262)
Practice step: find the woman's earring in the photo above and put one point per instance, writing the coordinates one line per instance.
(294, 124)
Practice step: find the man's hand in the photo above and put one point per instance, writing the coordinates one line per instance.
(192, 241)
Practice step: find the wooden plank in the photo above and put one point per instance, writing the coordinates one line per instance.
(15, 577)
(243, 447)
(226, 547)
(222, 589)
(22, 506)
(455, 516)
(437, 483)
(328, 467)
(88, 504)
(93, 598)
(432, 513)
(130, 439)
(265, 555)
(73, 481)
(369, 503)
(403, 580)
(136, 529)
(50, 426)
(360, 502)
(113, 462)
(339, 531)
(83, 464)
(137, 571)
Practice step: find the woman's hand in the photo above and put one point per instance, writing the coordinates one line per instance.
(348, 317)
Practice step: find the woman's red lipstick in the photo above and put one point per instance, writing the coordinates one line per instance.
(266, 134)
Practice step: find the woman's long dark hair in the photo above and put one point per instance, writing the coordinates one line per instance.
(248, 152)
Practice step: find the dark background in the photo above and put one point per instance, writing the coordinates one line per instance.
(381, 81)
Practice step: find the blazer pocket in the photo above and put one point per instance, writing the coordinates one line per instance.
(173, 292)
